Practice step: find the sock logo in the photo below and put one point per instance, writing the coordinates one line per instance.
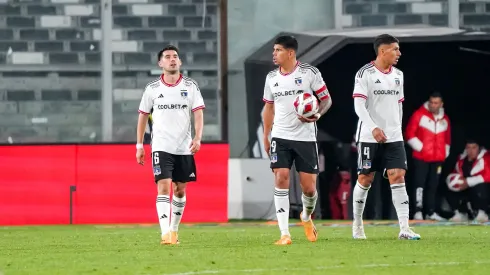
(405, 202)
(177, 213)
(163, 216)
(360, 201)
(281, 210)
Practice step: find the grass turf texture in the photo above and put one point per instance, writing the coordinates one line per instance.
(241, 248)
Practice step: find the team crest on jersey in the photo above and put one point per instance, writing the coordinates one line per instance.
(298, 81)
(183, 94)
(157, 171)
(397, 82)
(273, 158)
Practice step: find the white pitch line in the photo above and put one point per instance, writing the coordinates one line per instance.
(323, 268)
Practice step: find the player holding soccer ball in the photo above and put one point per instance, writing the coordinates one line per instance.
(378, 96)
(293, 136)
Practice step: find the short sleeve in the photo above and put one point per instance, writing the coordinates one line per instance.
(401, 97)
(267, 98)
(146, 102)
(361, 85)
(197, 100)
(318, 86)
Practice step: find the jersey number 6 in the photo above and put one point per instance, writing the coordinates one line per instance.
(156, 159)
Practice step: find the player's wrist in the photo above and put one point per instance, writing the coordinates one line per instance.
(318, 115)
(139, 145)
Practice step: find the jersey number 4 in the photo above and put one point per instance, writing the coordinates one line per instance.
(366, 152)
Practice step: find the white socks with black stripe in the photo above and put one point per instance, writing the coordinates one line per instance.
(281, 201)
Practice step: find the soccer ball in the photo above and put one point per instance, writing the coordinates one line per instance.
(306, 105)
(454, 182)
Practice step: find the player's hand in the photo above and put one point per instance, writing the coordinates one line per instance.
(379, 135)
(465, 185)
(313, 118)
(140, 156)
(195, 145)
(267, 146)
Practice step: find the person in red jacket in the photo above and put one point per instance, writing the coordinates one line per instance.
(470, 182)
(429, 134)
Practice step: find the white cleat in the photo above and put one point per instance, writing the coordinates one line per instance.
(459, 217)
(418, 216)
(482, 217)
(358, 232)
(435, 217)
(408, 234)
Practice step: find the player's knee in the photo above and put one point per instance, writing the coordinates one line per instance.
(396, 175)
(308, 183)
(179, 190)
(366, 180)
(163, 186)
(282, 178)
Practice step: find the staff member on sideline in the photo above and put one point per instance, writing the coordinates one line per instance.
(429, 134)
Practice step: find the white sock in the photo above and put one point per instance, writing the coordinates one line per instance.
(400, 201)
(163, 210)
(178, 205)
(281, 200)
(359, 202)
(309, 204)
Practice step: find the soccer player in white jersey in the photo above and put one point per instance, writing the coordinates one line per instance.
(293, 137)
(171, 99)
(378, 96)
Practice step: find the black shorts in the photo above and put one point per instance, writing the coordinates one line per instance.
(179, 168)
(304, 154)
(376, 157)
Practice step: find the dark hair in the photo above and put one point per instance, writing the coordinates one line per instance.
(436, 94)
(383, 39)
(167, 48)
(287, 41)
(472, 141)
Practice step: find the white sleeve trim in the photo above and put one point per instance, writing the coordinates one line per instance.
(472, 181)
(416, 144)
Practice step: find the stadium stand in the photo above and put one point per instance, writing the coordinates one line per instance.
(50, 64)
(474, 14)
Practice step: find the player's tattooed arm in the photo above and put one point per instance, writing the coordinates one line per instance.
(325, 106)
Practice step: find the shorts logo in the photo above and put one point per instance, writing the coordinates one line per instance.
(157, 171)
(273, 158)
(192, 175)
(366, 164)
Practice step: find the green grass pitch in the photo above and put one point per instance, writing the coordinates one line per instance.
(242, 248)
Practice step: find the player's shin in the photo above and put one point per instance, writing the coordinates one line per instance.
(281, 201)
(163, 210)
(178, 205)
(359, 202)
(401, 203)
(309, 204)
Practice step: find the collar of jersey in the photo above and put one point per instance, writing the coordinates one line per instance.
(171, 85)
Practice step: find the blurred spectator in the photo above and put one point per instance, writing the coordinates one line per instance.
(429, 134)
(469, 183)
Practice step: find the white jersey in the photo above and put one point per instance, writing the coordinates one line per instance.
(384, 94)
(281, 90)
(171, 107)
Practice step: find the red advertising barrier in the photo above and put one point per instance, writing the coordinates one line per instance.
(110, 186)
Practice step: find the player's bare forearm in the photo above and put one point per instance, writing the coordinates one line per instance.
(140, 129)
(324, 106)
(198, 123)
(268, 118)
